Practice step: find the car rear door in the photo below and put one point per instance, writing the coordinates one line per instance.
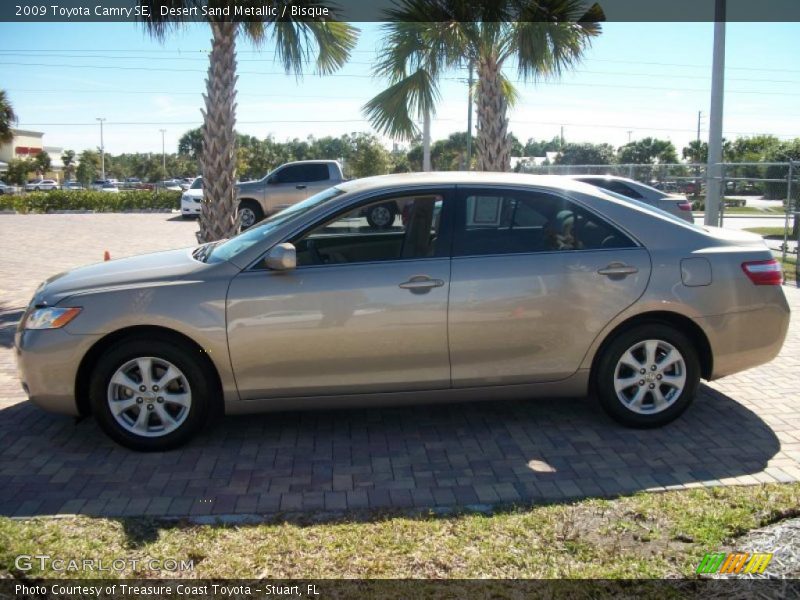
(535, 278)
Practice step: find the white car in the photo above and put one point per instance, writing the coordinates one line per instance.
(190, 200)
(40, 185)
(109, 187)
(6, 188)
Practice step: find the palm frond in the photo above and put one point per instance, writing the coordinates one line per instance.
(393, 110)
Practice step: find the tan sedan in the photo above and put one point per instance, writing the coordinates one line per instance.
(486, 286)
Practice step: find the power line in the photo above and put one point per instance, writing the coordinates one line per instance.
(357, 76)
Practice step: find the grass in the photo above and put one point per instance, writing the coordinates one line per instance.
(645, 535)
(772, 233)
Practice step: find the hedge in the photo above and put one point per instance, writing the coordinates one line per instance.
(57, 200)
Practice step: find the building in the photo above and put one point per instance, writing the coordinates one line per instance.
(27, 144)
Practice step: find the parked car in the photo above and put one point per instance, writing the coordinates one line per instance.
(71, 186)
(286, 185)
(499, 285)
(191, 198)
(6, 188)
(41, 185)
(109, 187)
(672, 203)
(171, 185)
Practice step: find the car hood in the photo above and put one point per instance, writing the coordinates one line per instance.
(250, 185)
(158, 268)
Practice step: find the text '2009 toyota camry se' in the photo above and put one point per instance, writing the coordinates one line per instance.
(481, 286)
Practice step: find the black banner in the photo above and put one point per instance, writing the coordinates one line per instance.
(376, 10)
(375, 589)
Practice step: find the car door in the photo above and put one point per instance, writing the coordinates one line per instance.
(535, 278)
(364, 311)
(294, 183)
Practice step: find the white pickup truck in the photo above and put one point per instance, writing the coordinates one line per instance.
(286, 185)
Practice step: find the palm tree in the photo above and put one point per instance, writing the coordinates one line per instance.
(294, 42)
(426, 38)
(7, 118)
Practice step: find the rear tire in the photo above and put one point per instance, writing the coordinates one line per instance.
(250, 213)
(648, 375)
(151, 394)
(382, 216)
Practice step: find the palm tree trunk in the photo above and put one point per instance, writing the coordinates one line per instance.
(426, 141)
(218, 218)
(493, 148)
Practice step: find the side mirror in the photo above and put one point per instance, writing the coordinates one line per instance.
(282, 257)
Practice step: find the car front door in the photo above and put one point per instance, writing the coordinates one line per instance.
(365, 310)
(535, 278)
(294, 183)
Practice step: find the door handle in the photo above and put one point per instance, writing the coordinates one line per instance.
(618, 270)
(300, 187)
(421, 283)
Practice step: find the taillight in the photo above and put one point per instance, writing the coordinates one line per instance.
(764, 272)
(685, 205)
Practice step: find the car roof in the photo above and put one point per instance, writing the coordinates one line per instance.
(464, 178)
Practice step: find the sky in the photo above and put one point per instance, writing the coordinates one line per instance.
(636, 80)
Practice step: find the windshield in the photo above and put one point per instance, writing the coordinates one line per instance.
(651, 208)
(236, 245)
(197, 184)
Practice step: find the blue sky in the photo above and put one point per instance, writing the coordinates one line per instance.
(637, 80)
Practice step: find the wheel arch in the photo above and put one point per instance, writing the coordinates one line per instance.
(680, 322)
(139, 331)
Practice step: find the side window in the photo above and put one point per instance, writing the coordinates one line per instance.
(302, 173)
(392, 229)
(525, 222)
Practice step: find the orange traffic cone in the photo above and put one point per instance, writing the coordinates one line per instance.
(106, 255)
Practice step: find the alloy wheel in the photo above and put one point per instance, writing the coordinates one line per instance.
(650, 376)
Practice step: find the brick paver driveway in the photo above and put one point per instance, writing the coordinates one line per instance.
(743, 429)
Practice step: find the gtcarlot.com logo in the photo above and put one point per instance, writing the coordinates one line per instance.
(44, 562)
(734, 563)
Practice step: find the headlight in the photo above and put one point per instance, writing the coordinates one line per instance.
(50, 317)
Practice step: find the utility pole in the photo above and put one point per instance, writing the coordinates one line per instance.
(102, 150)
(714, 168)
(426, 141)
(469, 119)
(699, 119)
(163, 152)
(630, 132)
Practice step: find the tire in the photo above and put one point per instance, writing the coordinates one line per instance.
(182, 419)
(382, 216)
(38, 189)
(251, 213)
(658, 395)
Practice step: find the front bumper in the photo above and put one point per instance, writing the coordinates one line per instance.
(47, 362)
(190, 207)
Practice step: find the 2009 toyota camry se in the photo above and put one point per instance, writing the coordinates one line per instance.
(484, 286)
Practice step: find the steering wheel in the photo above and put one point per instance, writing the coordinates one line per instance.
(311, 245)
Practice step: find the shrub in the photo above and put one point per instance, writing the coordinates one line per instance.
(43, 202)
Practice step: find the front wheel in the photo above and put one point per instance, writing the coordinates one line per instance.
(648, 375)
(151, 395)
(250, 213)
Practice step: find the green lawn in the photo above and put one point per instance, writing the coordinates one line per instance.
(645, 535)
(773, 233)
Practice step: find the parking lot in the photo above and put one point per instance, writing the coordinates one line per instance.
(743, 429)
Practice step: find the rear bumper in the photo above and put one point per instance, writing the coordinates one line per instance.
(47, 363)
(743, 340)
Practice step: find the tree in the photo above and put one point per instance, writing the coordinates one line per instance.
(191, 144)
(88, 166)
(367, 156)
(648, 151)
(541, 148)
(424, 39)
(18, 170)
(294, 42)
(586, 154)
(68, 160)
(42, 162)
(8, 118)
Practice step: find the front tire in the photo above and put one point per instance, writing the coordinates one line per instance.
(648, 375)
(151, 395)
(250, 213)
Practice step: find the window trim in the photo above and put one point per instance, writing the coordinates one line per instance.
(446, 225)
(463, 191)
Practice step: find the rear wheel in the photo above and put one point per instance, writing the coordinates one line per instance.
(250, 213)
(648, 375)
(151, 395)
(382, 216)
